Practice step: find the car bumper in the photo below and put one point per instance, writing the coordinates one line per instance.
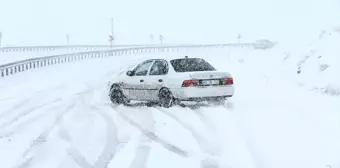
(203, 93)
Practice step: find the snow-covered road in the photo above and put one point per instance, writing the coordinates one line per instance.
(60, 117)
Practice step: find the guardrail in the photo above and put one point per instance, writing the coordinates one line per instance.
(24, 65)
(67, 47)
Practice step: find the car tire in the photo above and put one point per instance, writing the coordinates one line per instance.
(166, 99)
(117, 96)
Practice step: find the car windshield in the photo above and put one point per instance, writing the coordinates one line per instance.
(191, 65)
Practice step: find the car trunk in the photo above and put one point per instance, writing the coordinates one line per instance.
(209, 75)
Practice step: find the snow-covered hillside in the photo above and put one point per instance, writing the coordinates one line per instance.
(60, 117)
(320, 66)
(314, 66)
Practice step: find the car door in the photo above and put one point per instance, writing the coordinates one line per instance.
(155, 78)
(134, 85)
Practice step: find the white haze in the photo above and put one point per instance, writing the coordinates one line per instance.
(46, 22)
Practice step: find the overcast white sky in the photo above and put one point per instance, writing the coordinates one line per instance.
(45, 22)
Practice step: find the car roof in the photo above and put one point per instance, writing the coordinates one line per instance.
(169, 58)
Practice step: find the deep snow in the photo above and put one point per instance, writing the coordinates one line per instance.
(60, 116)
(319, 63)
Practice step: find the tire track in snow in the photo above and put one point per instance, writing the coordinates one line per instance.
(202, 142)
(141, 155)
(72, 152)
(232, 141)
(15, 107)
(37, 93)
(20, 127)
(40, 95)
(195, 134)
(29, 155)
(144, 147)
(65, 136)
(18, 114)
(111, 145)
(203, 118)
(155, 138)
(26, 113)
(6, 99)
(110, 148)
(207, 161)
(212, 152)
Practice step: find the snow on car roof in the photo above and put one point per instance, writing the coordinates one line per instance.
(171, 57)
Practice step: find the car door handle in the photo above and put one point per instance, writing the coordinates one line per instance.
(160, 80)
(142, 80)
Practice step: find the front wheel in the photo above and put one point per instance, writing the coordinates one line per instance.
(165, 98)
(117, 96)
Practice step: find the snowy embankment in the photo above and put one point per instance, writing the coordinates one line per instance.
(315, 66)
(60, 117)
(320, 67)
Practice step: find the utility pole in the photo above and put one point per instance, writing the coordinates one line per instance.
(112, 33)
(151, 38)
(67, 39)
(161, 39)
(111, 41)
(0, 38)
(239, 38)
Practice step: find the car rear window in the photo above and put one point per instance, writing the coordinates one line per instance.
(191, 65)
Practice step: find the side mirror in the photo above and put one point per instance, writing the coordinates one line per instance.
(129, 73)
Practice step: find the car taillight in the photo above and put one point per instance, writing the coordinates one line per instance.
(188, 83)
(229, 81)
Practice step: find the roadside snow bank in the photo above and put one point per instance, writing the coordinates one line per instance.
(321, 70)
(315, 66)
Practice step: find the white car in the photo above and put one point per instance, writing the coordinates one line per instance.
(170, 81)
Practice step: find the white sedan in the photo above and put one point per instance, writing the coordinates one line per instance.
(170, 81)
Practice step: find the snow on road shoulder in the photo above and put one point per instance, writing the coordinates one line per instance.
(268, 123)
(9, 57)
(288, 127)
(314, 66)
(283, 125)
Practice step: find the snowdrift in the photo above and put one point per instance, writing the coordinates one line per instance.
(320, 67)
(315, 66)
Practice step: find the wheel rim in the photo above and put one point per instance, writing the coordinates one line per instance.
(117, 96)
(165, 98)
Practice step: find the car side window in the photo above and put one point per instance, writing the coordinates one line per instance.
(142, 70)
(159, 68)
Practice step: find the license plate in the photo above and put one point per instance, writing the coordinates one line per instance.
(210, 82)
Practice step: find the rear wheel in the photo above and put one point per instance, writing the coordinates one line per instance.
(117, 96)
(165, 98)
